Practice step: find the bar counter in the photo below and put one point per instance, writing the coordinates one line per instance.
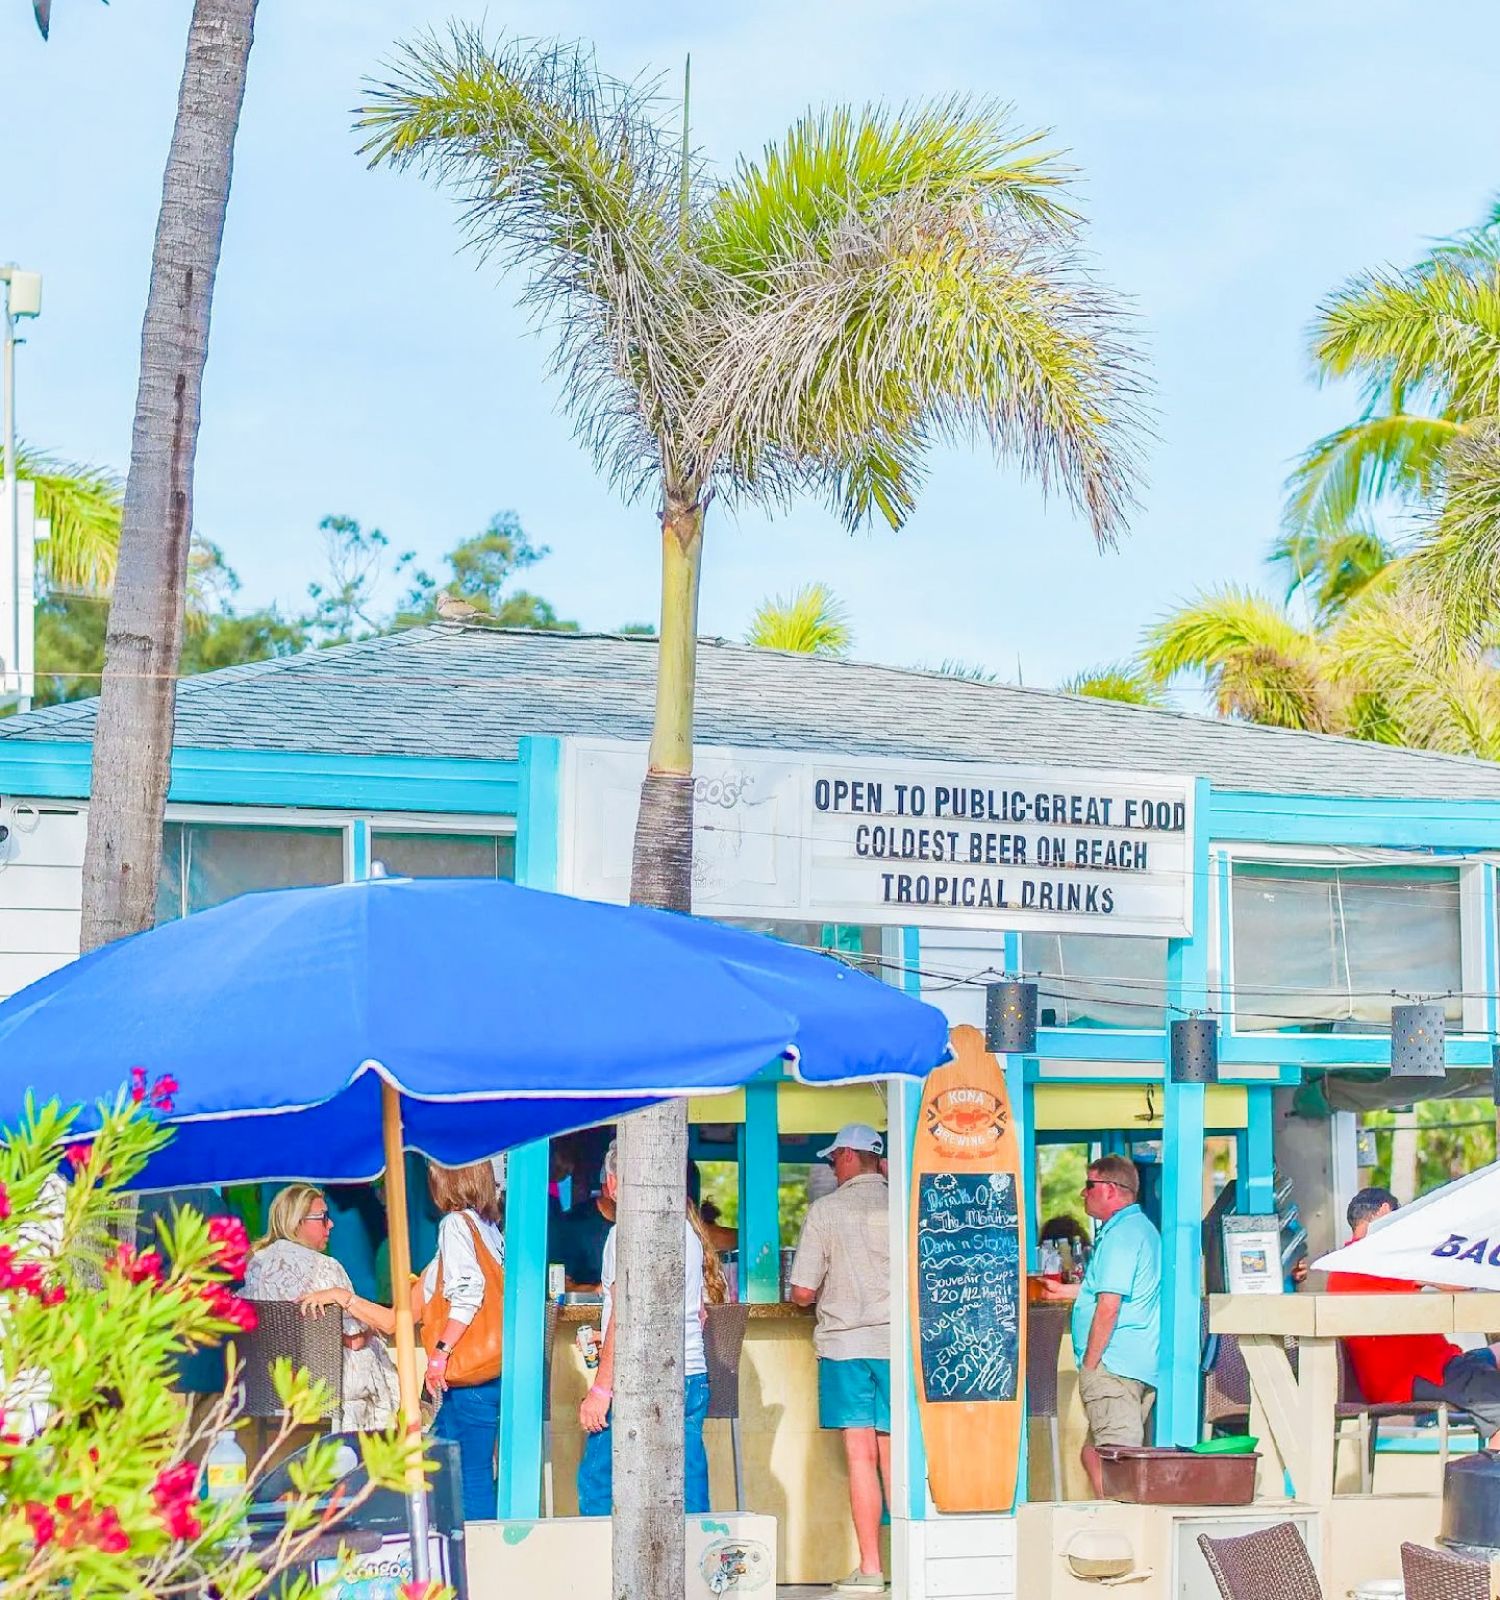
(792, 1469)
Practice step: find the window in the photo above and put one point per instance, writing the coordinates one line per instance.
(1328, 949)
(845, 938)
(205, 864)
(1097, 980)
(445, 855)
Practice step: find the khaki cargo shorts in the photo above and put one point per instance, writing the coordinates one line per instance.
(1117, 1408)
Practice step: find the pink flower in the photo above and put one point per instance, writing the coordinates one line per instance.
(137, 1265)
(229, 1307)
(43, 1523)
(78, 1155)
(180, 1520)
(4, 1203)
(163, 1092)
(106, 1533)
(174, 1494)
(228, 1233)
(138, 1084)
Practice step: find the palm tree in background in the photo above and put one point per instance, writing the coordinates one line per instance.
(811, 622)
(811, 323)
(143, 650)
(1127, 682)
(1424, 346)
(82, 505)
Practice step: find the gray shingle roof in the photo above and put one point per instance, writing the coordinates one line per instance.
(472, 691)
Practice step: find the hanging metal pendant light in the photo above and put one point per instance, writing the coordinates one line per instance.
(1010, 1017)
(1418, 1038)
(1195, 1050)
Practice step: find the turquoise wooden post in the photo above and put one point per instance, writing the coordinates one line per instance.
(760, 1201)
(1183, 1131)
(908, 1449)
(1257, 1188)
(521, 1373)
(527, 1172)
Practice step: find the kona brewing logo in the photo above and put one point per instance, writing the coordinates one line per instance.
(966, 1121)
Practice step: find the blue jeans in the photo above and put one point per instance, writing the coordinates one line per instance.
(596, 1469)
(471, 1418)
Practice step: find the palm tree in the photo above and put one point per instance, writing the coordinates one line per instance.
(1257, 663)
(133, 733)
(1424, 344)
(1125, 681)
(810, 323)
(82, 504)
(1385, 669)
(811, 622)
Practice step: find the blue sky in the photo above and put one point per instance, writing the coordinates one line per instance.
(1238, 162)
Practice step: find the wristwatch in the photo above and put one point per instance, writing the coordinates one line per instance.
(442, 1348)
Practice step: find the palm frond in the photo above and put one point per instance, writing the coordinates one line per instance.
(811, 622)
(1331, 564)
(1459, 559)
(1124, 681)
(927, 310)
(836, 165)
(967, 671)
(1433, 333)
(570, 177)
(1347, 471)
(1256, 661)
(83, 505)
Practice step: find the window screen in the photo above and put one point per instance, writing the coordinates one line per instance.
(205, 864)
(445, 855)
(1097, 980)
(1331, 948)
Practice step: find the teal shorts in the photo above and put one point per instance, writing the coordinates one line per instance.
(854, 1394)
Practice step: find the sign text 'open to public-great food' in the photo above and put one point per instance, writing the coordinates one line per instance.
(809, 837)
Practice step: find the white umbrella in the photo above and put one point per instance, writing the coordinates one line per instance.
(1450, 1237)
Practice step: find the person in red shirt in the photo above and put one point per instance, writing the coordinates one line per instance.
(1396, 1367)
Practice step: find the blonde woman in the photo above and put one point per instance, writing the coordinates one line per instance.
(293, 1261)
(469, 1414)
(705, 1286)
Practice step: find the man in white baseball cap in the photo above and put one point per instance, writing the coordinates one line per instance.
(843, 1266)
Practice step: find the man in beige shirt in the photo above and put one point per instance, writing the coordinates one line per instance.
(843, 1265)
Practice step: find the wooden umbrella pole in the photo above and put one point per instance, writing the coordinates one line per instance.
(406, 1338)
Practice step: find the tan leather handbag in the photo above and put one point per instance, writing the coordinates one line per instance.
(475, 1358)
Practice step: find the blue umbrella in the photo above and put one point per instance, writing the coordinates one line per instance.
(499, 1014)
(314, 1033)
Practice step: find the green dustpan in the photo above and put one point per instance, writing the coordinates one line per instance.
(1239, 1444)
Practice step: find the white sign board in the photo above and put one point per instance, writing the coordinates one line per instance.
(803, 837)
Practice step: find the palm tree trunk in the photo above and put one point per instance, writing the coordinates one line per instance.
(133, 734)
(649, 1527)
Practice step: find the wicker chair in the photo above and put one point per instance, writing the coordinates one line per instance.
(1368, 1415)
(723, 1340)
(1226, 1389)
(313, 1343)
(1437, 1575)
(1046, 1326)
(1271, 1565)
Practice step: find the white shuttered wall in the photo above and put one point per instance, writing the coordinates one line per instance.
(41, 891)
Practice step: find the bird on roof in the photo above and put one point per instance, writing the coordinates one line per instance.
(451, 609)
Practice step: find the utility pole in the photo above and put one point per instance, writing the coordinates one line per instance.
(23, 298)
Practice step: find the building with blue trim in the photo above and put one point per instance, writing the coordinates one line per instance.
(1326, 875)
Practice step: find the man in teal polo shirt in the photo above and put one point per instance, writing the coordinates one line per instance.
(1116, 1313)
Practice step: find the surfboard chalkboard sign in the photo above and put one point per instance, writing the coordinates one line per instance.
(968, 1299)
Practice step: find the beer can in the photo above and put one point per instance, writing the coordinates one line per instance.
(557, 1282)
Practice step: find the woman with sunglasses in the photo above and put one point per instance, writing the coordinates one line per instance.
(290, 1262)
